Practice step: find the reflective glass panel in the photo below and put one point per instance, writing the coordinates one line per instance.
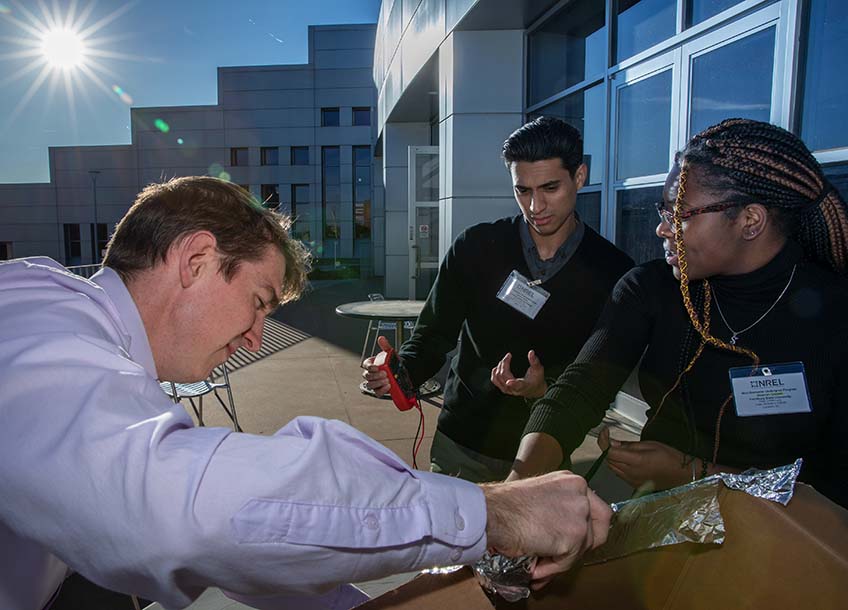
(567, 49)
(824, 120)
(701, 10)
(300, 155)
(636, 223)
(733, 81)
(589, 209)
(585, 110)
(837, 175)
(361, 116)
(329, 117)
(642, 24)
(426, 177)
(644, 127)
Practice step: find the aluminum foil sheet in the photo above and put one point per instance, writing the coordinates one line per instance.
(777, 484)
(689, 513)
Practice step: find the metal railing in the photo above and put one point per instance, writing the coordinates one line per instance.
(84, 270)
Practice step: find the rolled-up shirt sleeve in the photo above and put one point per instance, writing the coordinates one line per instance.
(115, 481)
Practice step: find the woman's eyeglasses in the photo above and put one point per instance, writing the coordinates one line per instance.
(668, 216)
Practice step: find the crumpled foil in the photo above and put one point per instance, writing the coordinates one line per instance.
(689, 513)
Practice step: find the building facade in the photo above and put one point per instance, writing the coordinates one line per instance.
(637, 77)
(298, 137)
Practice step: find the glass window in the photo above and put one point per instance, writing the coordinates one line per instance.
(361, 117)
(300, 155)
(300, 211)
(701, 10)
(238, 156)
(642, 24)
(362, 192)
(271, 196)
(589, 209)
(329, 117)
(5, 250)
(73, 244)
(270, 155)
(824, 120)
(586, 110)
(99, 241)
(637, 222)
(644, 127)
(734, 80)
(837, 175)
(567, 49)
(330, 194)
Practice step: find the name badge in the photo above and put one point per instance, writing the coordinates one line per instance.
(523, 295)
(773, 389)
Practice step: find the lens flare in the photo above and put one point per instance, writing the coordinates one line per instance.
(161, 126)
(180, 141)
(125, 97)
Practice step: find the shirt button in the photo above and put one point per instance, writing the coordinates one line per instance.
(460, 522)
(456, 555)
(371, 522)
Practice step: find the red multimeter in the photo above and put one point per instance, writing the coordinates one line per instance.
(400, 386)
(403, 393)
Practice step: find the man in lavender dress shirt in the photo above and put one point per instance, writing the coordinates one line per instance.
(101, 474)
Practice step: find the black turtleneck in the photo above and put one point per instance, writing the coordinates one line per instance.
(646, 314)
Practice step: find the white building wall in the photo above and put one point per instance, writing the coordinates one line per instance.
(258, 106)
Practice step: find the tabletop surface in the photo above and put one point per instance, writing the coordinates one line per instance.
(382, 310)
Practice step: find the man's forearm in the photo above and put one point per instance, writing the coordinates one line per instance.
(538, 453)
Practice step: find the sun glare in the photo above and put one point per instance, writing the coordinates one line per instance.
(63, 46)
(63, 49)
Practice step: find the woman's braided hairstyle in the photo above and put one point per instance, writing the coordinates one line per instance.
(761, 163)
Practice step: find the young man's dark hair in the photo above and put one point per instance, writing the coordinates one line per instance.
(164, 213)
(545, 138)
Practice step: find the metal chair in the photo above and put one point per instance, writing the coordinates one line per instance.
(178, 391)
(377, 326)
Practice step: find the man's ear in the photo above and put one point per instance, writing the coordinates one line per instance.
(196, 256)
(580, 175)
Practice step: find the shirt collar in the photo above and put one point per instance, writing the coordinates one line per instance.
(545, 269)
(116, 290)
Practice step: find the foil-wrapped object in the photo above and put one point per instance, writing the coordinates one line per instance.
(689, 513)
(508, 577)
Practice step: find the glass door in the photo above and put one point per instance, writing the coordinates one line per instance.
(423, 219)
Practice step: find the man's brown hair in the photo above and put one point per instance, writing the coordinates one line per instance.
(163, 214)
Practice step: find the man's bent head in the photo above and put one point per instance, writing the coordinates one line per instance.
(164, 214)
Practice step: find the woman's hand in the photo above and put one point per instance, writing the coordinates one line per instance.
(646, 462)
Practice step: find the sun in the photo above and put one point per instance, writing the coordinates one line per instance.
(63, 49)
(61, 44)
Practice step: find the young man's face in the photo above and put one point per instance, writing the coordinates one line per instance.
(546, 193)
(226, 315)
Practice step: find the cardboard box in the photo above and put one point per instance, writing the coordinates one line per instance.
(774, 557)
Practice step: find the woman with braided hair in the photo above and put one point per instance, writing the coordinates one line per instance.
(753, 288)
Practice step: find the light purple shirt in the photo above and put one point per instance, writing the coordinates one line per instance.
(102, 474)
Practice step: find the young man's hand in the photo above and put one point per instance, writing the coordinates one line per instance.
(376, 380)
(555, 517)
(532, 385)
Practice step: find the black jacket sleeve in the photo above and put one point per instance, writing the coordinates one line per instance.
(437, 328)
(577, 401)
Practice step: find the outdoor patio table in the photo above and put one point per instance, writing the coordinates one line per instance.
(391, 310)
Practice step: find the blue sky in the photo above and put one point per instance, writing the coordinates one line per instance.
(143, 53)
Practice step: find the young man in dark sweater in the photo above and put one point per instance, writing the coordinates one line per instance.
(522, 294)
